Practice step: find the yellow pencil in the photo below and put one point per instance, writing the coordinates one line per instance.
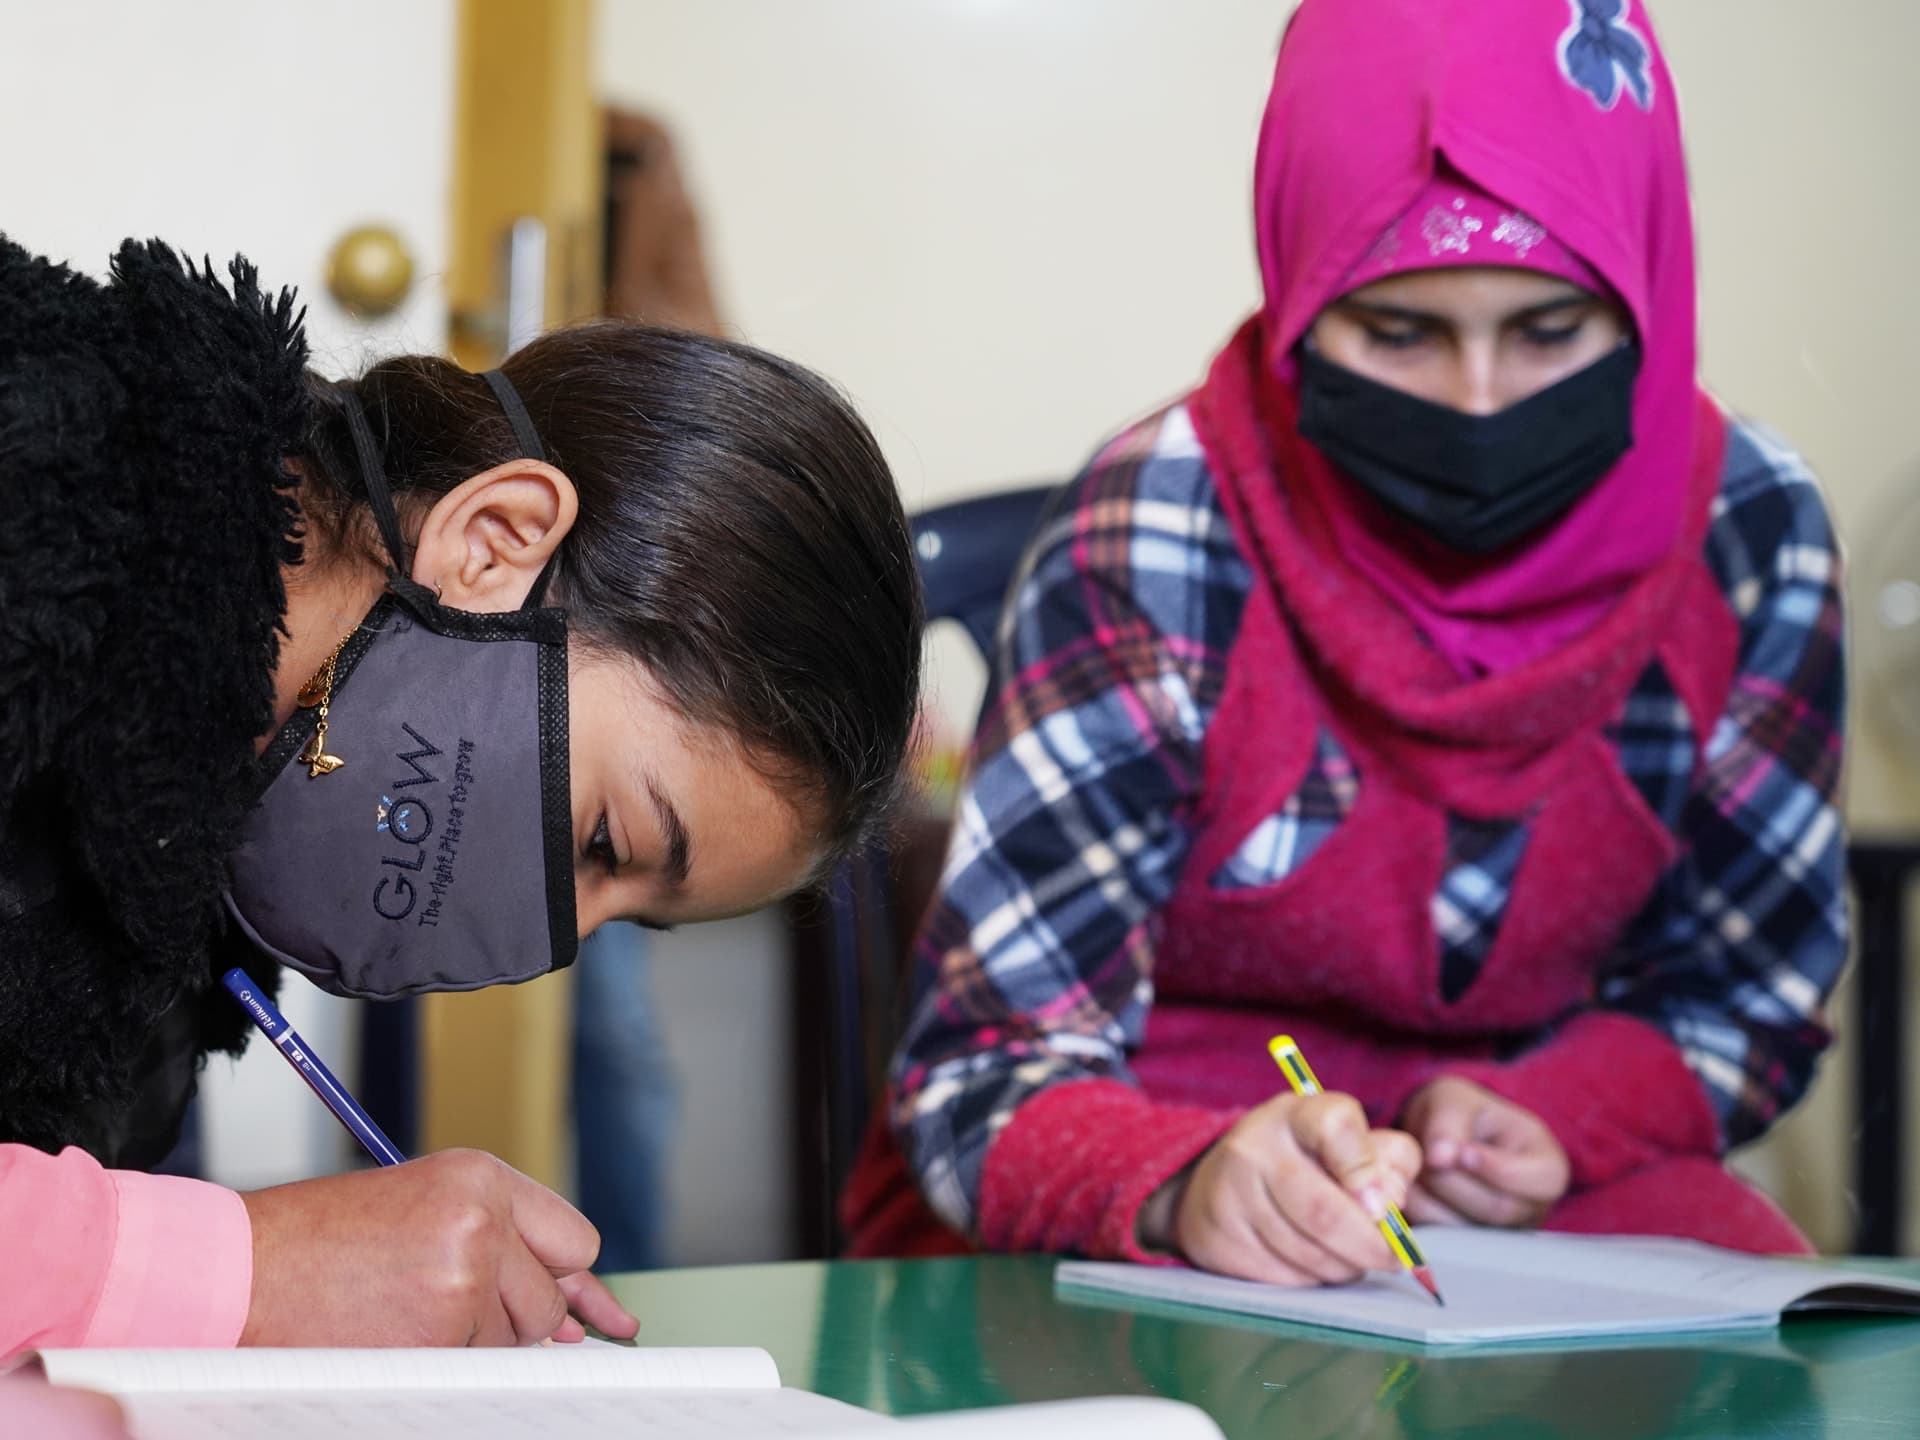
(1394, 1226)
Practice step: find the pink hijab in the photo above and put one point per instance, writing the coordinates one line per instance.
(1563, 112)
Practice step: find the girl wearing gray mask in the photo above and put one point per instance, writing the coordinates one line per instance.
(405, 683)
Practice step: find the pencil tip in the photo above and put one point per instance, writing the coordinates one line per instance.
(1425, 1277)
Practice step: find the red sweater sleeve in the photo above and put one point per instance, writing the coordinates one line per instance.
(1070, 1171)
(1613, 1090)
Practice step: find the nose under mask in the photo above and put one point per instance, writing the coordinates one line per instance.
(1475, 483)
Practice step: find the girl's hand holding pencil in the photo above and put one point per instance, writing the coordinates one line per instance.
(1293, 1194)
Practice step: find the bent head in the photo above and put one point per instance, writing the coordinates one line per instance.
(743, 608)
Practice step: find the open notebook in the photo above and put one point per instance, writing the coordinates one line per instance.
(592, 1390)
(1506, 1286)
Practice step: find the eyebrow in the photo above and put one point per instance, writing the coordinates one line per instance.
(1409, 316)
(1553, 307)
(679, 843)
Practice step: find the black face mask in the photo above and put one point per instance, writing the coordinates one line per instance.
(427, 844)
(1475, 483)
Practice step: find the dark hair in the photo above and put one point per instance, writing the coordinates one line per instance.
(739, 534)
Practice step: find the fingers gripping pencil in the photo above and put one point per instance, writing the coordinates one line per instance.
(1393, 1224)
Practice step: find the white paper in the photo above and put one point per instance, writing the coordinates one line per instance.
(542, 1394)
(496, 1415)
(1504, 1286)
(665, 1414)
(557, 1367)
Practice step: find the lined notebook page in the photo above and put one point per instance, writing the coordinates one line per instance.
(497, 1415)
(663, 1414)
(560, 1367)
(1520, 1285)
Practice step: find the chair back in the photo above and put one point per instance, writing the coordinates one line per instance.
(968, 552)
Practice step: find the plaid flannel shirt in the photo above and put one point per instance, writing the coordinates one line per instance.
(1035, 965)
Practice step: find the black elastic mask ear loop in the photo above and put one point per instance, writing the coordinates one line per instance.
(509, 398)
(530, 446)
(380, 496)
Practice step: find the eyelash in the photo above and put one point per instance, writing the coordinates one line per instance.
(1544, 337)
(600, 847)
(1547, 337)
(1395, 339)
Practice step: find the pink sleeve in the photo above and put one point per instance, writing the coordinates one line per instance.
(1072, 1168)
(113, 1257)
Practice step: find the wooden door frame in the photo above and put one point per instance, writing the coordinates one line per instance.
(496, 1063)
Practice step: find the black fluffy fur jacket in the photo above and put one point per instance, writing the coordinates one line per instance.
(144, 521)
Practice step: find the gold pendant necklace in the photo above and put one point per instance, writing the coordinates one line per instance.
(319, 691)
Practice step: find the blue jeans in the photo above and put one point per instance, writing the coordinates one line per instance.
(623, 1100)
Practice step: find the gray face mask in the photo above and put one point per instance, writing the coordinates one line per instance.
(430, 847)
(438, 855)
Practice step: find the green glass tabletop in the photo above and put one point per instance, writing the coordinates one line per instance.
(909, 1337)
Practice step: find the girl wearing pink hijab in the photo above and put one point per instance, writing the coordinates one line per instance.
(1449, 682)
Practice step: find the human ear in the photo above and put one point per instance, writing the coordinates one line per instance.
(485, 542)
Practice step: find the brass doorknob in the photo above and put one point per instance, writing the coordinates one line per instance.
(369, 271)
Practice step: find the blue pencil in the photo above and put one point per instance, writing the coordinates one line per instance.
(300, 1055)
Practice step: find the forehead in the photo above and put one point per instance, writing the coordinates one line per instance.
(1467, 290)
(748, 843)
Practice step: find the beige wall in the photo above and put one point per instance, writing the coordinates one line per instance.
(1007, 226)
(1801, 124)
(1002, 225)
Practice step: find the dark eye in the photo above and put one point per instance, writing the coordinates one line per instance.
(1396, 338)
(600, 847)
(1548, 336)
